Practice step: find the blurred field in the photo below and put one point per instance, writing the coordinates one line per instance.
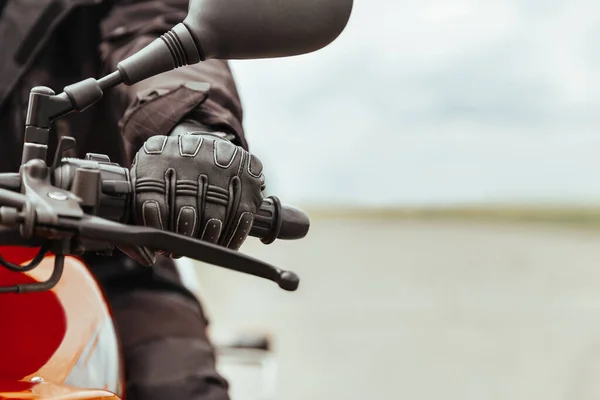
(455, 304)
(581, 216)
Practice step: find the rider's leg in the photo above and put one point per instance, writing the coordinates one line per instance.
(166, 350)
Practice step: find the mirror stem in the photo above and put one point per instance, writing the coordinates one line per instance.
(45, 107)
(174, 49)
(110, 81)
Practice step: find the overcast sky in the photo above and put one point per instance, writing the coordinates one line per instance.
(435, 101)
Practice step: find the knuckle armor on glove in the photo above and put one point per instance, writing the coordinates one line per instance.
(199, 185)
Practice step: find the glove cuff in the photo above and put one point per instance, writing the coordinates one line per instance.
(189, 126)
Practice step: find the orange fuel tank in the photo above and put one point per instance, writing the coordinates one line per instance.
(49, 391)
(63, 337)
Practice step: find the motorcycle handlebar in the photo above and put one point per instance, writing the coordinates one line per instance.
(89, 201)
(273, 219)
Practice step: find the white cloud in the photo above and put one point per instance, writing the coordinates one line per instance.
(435, 101)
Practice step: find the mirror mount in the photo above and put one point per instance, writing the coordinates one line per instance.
(45, 107)
(174, 49)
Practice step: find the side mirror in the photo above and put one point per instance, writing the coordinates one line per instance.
(240, 29)
(252, 29)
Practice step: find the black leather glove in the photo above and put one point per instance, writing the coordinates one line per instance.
(198, 184)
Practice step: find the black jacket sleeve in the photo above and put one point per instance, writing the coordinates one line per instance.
(205, 92)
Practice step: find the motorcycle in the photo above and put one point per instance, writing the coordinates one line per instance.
(57, 339)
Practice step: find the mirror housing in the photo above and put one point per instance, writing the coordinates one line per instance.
(238, 30)
(253, 29)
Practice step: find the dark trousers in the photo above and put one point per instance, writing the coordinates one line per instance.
(162, 330)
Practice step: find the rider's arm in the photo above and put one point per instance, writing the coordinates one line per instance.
(204, 93)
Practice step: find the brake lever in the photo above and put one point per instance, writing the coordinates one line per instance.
(103, 230)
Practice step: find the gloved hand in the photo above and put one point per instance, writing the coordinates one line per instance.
(197, 184)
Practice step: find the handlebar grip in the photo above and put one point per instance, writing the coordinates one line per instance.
(272, 221)
(276, 221)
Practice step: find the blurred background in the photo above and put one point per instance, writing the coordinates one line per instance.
(447, 152)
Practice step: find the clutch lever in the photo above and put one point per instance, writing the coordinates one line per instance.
(103, 230)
